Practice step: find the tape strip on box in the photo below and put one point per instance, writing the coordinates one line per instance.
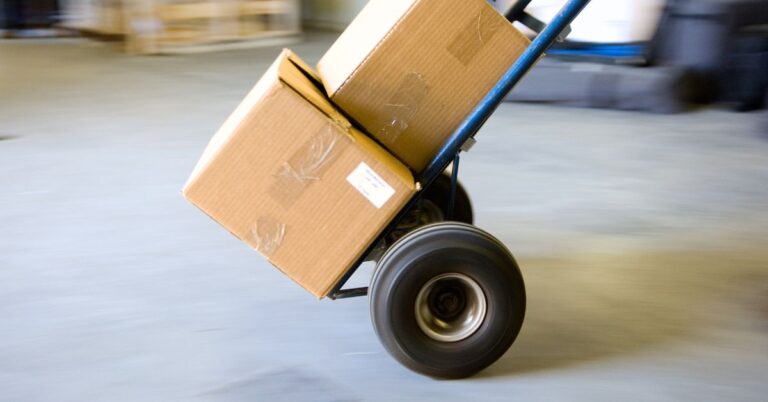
(403, 106)
(267, 235)
(475, 34)
(307, 165)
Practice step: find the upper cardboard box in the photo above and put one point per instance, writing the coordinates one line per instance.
(289, 176)
(409, 71)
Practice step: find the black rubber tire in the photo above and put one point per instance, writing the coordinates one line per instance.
(439, 194)
(425, 253)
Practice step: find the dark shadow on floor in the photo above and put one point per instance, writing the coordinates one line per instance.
(585, 309)
(288, 384)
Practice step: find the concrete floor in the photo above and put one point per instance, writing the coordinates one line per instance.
(642, 239)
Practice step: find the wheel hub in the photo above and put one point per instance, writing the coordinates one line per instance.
(447, 302)
(450, 307)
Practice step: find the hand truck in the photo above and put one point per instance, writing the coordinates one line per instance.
(447, 299)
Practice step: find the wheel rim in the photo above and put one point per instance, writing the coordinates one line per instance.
(450, 307)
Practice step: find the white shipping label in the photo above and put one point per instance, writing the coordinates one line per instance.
(370, 185)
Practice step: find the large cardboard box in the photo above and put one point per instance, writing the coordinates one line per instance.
(410, 71)
(289, 176)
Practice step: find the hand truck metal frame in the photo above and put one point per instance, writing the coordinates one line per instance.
(447, 299)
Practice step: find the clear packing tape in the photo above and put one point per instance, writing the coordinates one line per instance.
(268, 235)
(399, 112)
(475, 34)
(403, 106)
(306, 165)
(292, 178)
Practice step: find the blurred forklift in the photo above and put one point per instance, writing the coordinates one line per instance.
(658, 57)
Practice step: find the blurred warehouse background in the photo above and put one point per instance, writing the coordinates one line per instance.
(657, 56)
(628, 172)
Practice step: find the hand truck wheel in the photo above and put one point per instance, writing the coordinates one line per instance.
(436, 199)
(432, 208)
(447, 300)
(434, 204)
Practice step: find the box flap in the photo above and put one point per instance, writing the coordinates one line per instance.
(297, 74)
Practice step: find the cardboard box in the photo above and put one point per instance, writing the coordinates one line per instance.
(289, 176)
(409, 71)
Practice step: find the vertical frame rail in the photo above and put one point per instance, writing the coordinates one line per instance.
(517, 9)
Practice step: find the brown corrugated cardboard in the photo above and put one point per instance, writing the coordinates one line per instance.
(289, 176)
(409, 71)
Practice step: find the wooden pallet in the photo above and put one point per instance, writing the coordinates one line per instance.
(186, 25)
(181, 26)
